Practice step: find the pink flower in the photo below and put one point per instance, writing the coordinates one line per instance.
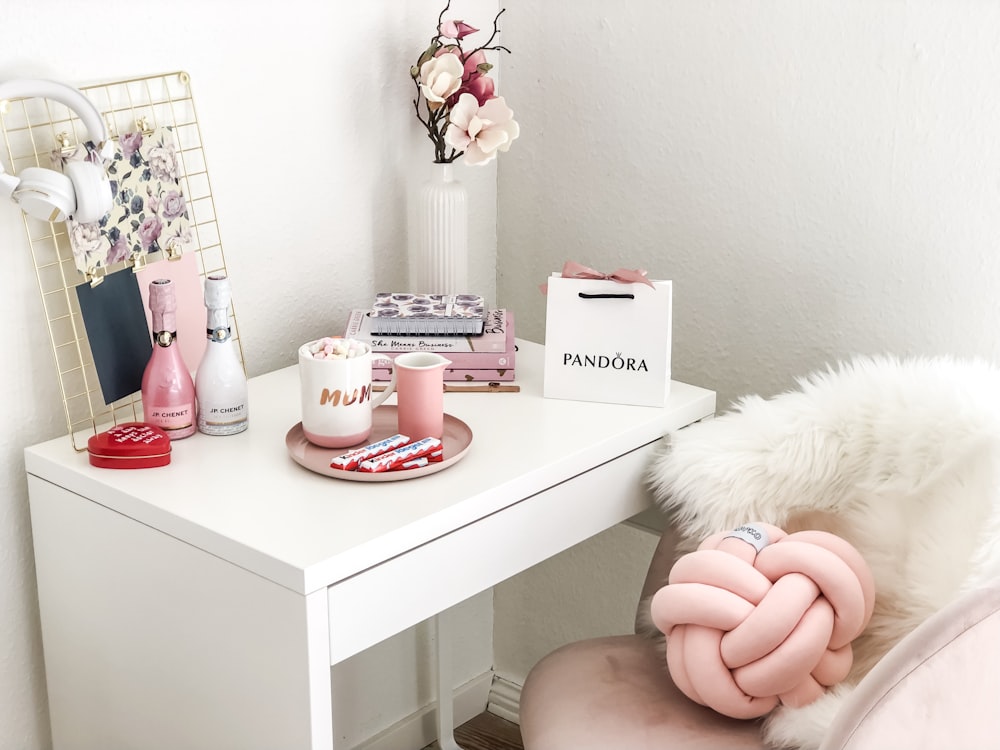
(173, 205)
(481, 131)
(117, 252)
(481, 87)
(472, 61)
(149, 231)
(456, 29)
(130, 143)
(474, 79)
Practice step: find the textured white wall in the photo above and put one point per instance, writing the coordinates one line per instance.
(311, 144)
(818, 177)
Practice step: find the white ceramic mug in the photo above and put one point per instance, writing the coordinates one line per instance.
(337, 398)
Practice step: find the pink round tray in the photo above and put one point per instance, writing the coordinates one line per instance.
(456, 441)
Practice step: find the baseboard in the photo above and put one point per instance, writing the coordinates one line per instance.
(505, 700)
(419, 729)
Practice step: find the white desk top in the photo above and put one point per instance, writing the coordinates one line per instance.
(242, 498)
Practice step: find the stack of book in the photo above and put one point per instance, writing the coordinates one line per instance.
(488, 356)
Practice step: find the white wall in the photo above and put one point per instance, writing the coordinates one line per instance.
(312, 146)
(818, 177)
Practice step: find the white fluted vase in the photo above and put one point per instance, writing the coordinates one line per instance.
(439, 250)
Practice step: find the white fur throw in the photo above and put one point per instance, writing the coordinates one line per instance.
(901, 458)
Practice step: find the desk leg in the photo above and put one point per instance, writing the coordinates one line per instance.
(318, 651)
(445, 709)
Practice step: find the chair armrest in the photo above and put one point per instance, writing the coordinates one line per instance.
(936, 688)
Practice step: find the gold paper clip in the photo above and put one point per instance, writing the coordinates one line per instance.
(95, 274)
(173, 251)
(136, 260)
(142, 125)
(66, 146)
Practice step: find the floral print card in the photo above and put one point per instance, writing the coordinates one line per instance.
(150, 212)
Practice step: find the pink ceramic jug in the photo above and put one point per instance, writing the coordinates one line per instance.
(420, 393)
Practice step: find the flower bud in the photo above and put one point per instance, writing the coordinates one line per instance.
(428, 53)
(456, 29)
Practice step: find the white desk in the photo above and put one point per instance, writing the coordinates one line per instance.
(200, 605)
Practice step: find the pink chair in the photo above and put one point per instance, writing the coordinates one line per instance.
(900, 458)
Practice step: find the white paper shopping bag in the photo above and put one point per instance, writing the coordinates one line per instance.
(608, 340)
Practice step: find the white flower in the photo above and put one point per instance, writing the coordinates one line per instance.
(440, 77)
(88, 242)
(482, 132)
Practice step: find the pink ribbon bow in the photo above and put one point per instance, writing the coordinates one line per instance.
(573, 270)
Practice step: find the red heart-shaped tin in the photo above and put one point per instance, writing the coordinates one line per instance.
(130, 445)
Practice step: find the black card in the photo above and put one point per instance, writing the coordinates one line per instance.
(119, 337)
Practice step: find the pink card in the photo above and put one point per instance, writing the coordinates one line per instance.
(190, 303)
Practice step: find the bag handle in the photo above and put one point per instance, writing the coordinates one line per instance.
(584, 295)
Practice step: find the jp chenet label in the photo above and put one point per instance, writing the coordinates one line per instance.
(171, 419)
(227, 410)
(604, 362)
(222, 419)
(337, 397)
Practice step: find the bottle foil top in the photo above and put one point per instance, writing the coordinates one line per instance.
(162, 296)
(217, 292)
(163, 305)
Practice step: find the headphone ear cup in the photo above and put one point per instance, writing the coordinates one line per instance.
(45, 194)
(93, 191)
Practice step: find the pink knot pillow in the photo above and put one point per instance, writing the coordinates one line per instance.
(756, 616)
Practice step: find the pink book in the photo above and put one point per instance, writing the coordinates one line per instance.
(493, 350)
(454, 374)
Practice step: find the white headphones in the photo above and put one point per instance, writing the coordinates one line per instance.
(83, 191)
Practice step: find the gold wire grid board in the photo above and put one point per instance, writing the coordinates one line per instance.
(32, 129)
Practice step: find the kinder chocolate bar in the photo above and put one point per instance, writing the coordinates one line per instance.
(350, 460)
(419, 463)
(396, 458)
(416, 463)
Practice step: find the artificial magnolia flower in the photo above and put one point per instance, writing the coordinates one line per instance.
(481, 131)
(445, 74)
(440, 77)
(474, 79)
(456, 29)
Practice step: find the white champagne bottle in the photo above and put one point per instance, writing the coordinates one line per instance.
(221, 383)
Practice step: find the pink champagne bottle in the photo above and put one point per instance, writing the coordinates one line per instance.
(168, 398)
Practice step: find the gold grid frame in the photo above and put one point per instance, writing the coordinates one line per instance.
(32, 129)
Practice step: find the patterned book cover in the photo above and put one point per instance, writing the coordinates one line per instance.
(405, 314)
